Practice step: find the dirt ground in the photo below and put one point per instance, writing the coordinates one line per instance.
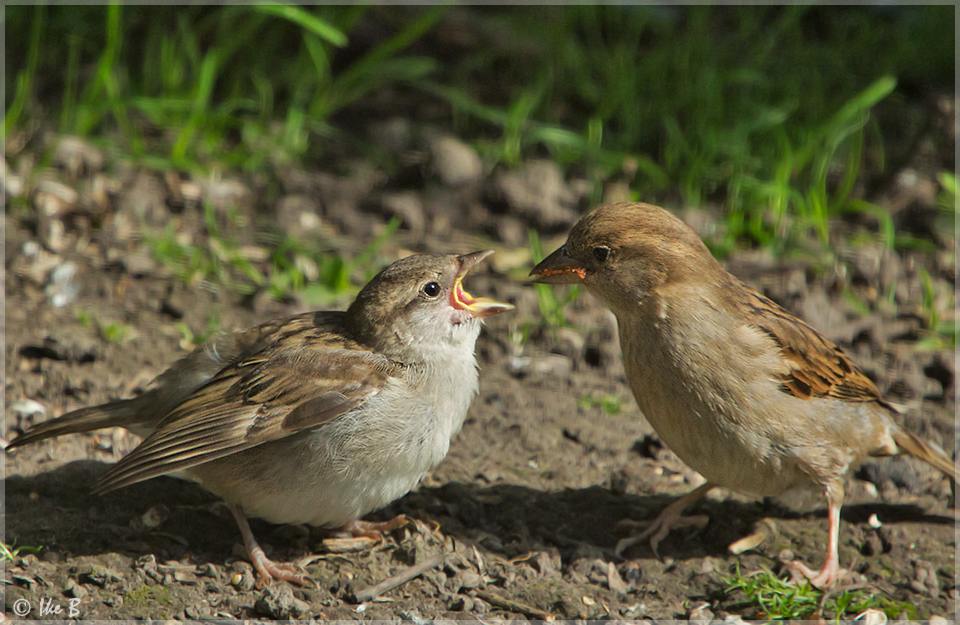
(538, 486)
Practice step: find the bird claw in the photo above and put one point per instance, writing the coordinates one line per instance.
(270, 570)
(358, 535)
(267, 568)
(374, 529)
(659, 529)
(828, 576)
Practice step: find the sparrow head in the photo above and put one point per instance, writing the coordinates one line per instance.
(623, 252)
(420, 301)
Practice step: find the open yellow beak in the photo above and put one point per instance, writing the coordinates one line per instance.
(476, 306)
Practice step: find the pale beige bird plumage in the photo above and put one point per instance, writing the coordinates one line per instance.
(318, 418)
(744, 392)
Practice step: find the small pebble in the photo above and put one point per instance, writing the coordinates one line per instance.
(75, 590)
(28, 408)
(701, 614)
(455, 162)
(62, 289)
(872, 617)
(470, 580)
(614, 581)
(462, 603)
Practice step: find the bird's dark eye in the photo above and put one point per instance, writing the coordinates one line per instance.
(431, 289)
(601, 253)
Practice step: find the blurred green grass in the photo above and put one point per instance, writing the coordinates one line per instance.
(765, 112)
(195, 87)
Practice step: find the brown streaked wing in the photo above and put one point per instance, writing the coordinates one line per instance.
(293, 385)
(819, 367)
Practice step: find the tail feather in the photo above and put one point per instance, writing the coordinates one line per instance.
(112, 414)
(915, 446)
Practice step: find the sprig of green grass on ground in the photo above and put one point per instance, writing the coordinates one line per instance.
(213, 324)
(774, 598)
(939, 331)
(111, 332)
(9, 553)
(610, 404)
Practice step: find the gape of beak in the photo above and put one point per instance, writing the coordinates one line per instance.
(476, 306)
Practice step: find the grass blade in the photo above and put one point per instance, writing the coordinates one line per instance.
(302, 18)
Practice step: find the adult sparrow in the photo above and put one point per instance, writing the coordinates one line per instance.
(318, 418)
(742, 391)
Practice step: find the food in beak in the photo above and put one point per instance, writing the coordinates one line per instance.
(559, 268)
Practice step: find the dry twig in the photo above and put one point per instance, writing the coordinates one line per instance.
(400, 578)
(514, 606)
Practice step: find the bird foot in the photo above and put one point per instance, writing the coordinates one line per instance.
(358, 536)
(668, 520)
(374, 529)
(270, 570)
(659, 528)
(828, 576)
(267, 568)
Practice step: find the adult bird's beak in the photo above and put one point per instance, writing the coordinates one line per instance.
(559, 268)
(476, 306)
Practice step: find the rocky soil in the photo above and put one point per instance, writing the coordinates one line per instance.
(554, 464)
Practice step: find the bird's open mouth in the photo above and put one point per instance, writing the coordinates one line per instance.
(476, 306)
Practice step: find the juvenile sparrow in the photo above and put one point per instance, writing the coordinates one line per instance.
(742, 391)
(318, 418)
